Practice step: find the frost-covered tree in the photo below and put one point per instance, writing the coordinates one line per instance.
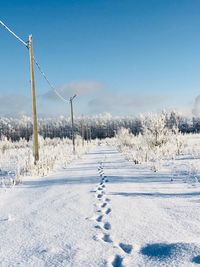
(100, 126)
(125, 138)
(155, 131)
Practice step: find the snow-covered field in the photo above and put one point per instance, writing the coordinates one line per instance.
(102, 210)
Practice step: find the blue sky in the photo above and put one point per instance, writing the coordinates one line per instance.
(119, 56)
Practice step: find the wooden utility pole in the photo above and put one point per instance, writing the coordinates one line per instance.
(34, 110)
(72, 120)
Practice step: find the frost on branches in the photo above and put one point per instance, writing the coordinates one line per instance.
(16, 158)
(156, 142)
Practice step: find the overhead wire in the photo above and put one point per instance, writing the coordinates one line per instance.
(37, 64)
(15, 35)
(49, 83)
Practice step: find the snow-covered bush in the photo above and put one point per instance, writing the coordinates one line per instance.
(161, 141)
(17, 159)
(8, 179)
(157, 141)
(125, 138)
(155, 132)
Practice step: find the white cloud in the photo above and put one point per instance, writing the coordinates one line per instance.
(93, 98)
(14, 104)
(122, 103)
(80, 88)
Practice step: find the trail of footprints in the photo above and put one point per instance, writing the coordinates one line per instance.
(103, 210)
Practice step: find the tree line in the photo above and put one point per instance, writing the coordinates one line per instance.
(101, 126)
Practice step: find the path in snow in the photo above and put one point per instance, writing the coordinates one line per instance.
(103, 210)
(100, 211)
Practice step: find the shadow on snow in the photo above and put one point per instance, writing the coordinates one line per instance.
(171, 251)
(156, 194)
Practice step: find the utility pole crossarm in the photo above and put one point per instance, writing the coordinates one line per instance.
(72, 98)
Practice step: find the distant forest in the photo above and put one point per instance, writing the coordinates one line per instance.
(100, 126)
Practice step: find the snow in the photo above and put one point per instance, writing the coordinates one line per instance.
(101, 210)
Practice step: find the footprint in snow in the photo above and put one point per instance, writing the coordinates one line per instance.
(117, 261)
(101, 191)
(100, 188)
(126, 247)
(104, 180)
(99, 211)
(108, 211)
(104, 204)
(100, 194)
(99, 218)
(107, 226)
(106, 238)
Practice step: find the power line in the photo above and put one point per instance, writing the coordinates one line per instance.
(37, 64)
(49, 83)
(9, 30)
